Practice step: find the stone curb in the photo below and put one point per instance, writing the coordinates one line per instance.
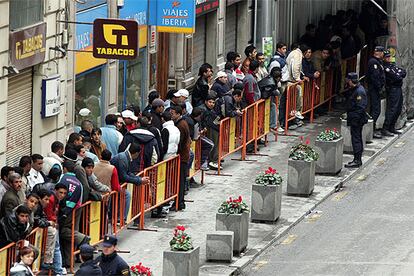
(254, 252)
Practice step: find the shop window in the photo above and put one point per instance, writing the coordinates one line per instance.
(188, 53)
(25, 12)
(130, 86)
(89, 94)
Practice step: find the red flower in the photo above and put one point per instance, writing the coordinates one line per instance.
(180, 228)
(334, 129)
(307, 141)
(240, 198)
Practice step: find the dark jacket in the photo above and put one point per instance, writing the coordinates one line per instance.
(149, 147)
(40, 218)
(226, 106)
(200, 92)
(122, 162)
(375, 74)
(83, 179)
(156, 120)
(74, 196)
(113, 265)
(185, 140)
(356, 105)
(11, 230)
(220, 88)
(210, 119)
(394, 75)
(89, 268)
(10, 201)
(268, 87)
(308, 69)
(191, 123)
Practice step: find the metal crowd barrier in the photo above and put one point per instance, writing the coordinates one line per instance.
(196, 165)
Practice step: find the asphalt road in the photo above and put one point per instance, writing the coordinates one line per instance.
(365, 229)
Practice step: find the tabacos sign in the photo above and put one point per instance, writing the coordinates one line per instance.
(175, 16)
(115, 38)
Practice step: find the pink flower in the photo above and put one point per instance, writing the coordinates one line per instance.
(307, 141)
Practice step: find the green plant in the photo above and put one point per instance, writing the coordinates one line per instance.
(329, 135)
(140, 270)
(233, 206)
(181, 241)
(303, 151)
(269, 177)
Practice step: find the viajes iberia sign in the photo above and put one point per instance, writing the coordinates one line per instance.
(115, 38)
(175, 16)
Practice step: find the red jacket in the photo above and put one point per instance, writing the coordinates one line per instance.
(52, 208)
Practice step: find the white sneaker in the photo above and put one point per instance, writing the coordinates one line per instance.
(280, 130)
(299, 115)
(64, 271)
(214, 165)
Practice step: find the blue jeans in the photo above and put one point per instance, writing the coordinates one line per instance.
(57, 257)
(190, 161)
(272, 113)
(127, 203)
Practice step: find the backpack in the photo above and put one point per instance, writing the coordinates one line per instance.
(279, 59)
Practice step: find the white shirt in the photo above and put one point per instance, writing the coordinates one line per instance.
(34, 178)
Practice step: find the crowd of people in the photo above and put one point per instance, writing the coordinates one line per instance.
(46, 191)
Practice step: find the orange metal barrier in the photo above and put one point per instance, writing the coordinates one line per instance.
(164, 186)
(230, 137)
(248, 128)
(7, 258)
(196, 166)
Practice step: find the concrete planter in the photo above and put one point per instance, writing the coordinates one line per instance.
(330, 156)
(368, 131)
(178, 263)
(266, 202)
(301, 177)
(346, 134)
(239, 225)
(219, 246)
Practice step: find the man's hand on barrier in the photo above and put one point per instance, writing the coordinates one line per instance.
(145, 180)
(239, 113)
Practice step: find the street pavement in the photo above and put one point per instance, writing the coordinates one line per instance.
(365, 229)
(199, 216)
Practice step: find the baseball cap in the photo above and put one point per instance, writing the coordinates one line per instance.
(157, 103)
(221, 74)
(110, 240)
(379, 49)
(86, 249)
(352, 76)
(84, 112)
(182, 93)
(129, 114)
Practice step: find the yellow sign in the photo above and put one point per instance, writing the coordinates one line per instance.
(3, 262)
(161, 175)
(130, 188)
(38, 244)
(267, 116)
(232, 138)
(95, 222)
(192, 169)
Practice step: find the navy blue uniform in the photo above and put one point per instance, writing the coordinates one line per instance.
(357, 118)
(89, 268)
(376, 81)
(394, 80)
(113, 265)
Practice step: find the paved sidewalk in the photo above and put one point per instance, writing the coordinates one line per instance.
(199, 217)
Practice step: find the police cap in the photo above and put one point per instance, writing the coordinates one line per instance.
(86, 249)
(379, 49)
(110, 240)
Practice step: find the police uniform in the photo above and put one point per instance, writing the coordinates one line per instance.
(376, 80)
(112, 264)
(394, 76)
(356, 118)
(89, 267)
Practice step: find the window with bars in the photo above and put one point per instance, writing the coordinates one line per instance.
(25, 13)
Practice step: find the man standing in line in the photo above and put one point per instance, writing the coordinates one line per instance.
(262, 73)
(376, 81)
(356, 117)
(250, 53)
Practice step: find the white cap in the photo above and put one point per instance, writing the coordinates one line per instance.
(182, 93)
(129, 114)
(84, 112)
(221, 74)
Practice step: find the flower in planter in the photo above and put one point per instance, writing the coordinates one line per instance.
(329, 135)
(269, 177)
(181, 241)
(233, 206)
(303, 151)
(140, 270)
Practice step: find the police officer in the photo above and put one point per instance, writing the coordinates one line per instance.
(110, 262)
(88, 267)
(394, 76)
(356, 116)
(376, 80)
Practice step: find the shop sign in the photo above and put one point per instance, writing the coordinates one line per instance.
(153, 40)
(50, 96)
(115, 38)
(231, 2)
(175, 16)
(205, 6)
(137, 10)
(27, 47)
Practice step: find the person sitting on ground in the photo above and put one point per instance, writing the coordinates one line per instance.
(97, 187)
(109, 261)
(11, 198)
(15, 226)
(25, 260)
(89, 266)
(106, 173)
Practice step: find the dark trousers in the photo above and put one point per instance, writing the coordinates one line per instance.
(183, 176)
(206, 148)
(357, 144)
(282, 109)
(213, 135)
(65, 236)
(375, 103)
(394, 107)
